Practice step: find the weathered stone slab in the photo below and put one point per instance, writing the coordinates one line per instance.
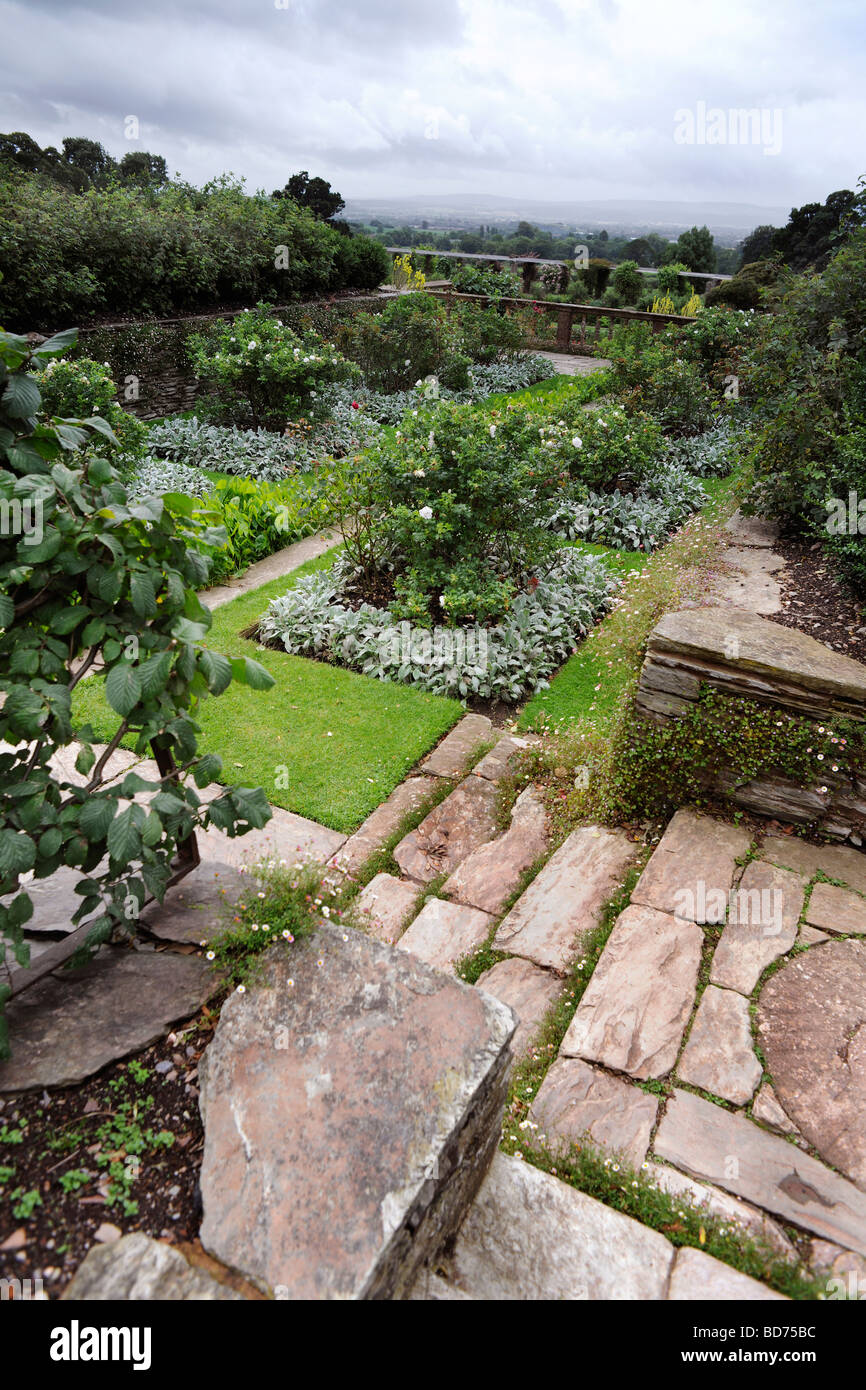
(409, 796)
(54, 902)
(566, 900)
(781, 798)
(458, 825)
(750, 583)
(719, 1056)
(635, 1008)
(138, 1268)
(525, 988)
(836, 861)
(443, 933)
(200, 906)
(836, 909)
(72, 1023)
(762, 925)
(285, 837)
(752, 530)
(352, 1104)
(530, 1237)
(730, 1151)
(490, 874)
(697, 1277)
(504, 757)
(810, 936)
(452, 756)
(838, 1264)
(692, 868)
(432, 1288)
(812, 1028)
(579, 1103)
(767, 1109)
(385, 906)
(755, 1224)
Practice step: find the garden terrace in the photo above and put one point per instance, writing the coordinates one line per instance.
(590, 320)
(530, 264)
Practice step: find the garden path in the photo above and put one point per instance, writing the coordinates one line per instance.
(571, 364)
(272, 567)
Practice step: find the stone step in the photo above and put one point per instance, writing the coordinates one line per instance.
(719, 1056)
(755, 1224)
(577, 1102)
(369, 838)
(385, 906)
(530, 1237)
(444, 932)
(634, 1010)
(566, 899)
(729, 1151)
(697, 1277)
(692, 868)
(137, 1268)
(489, 875)
(525, 988)
(352, 1102)
(762, 926)
(452, 756)
(285, 837)
(458, 825)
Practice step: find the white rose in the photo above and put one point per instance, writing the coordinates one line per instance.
(425, 513)
(492, 431)
(577, 442)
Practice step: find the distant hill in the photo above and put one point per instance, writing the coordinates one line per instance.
(729, 222)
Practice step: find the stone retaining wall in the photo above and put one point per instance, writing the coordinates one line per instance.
(740, 655)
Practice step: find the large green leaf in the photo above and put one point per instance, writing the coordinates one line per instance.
(21, 397)
(251, 673)
(123, 688)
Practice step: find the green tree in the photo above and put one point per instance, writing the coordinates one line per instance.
(696, 249)
(814, 231)
(758, 245)
(138, 166)
(316, 194)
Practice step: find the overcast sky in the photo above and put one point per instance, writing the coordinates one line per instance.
(552, 99)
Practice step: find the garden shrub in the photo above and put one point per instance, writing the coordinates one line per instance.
(668, 277)
(260, 518)
(89, 577)
(807, 382)
(627, 281)
(473, 279)
(84, 388)
(260, 372)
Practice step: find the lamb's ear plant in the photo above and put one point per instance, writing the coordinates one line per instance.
(90, 580)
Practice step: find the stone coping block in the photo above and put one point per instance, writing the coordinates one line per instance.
(452, 756)
(566, 899)
(352, 1102)
(636, 1006)
(729, 1151)
(137, 1268)
(792, 668)
(529, 1237)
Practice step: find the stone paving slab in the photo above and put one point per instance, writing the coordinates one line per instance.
(836, 861)
(54, 902)
(490, 874)
(752, 530)
(352, 1102)
(530, 1237)
(728, 1150)
(458, 825)
(527, 989)
(719, 1056)
(767, 1109)
(578, 1103)
(70, 1024)
(137, 1268)
(692, 868)
(697, 1277)
(285, 837)
(836, 909)
(810, 936)
(409, 796)
(385, 906)
(812, 1029)
(452, 756)
(636, 1006)
(566, 899)
(762, 926)
(751, 584)
(291, 557)
(444, 932)
(756, 1223)
(200, 906)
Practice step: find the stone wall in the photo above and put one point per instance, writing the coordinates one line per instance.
(148, 358)
(740, 655)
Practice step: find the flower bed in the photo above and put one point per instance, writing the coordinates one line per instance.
(507, 661)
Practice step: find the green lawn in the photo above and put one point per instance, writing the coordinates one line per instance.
(340, 741)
